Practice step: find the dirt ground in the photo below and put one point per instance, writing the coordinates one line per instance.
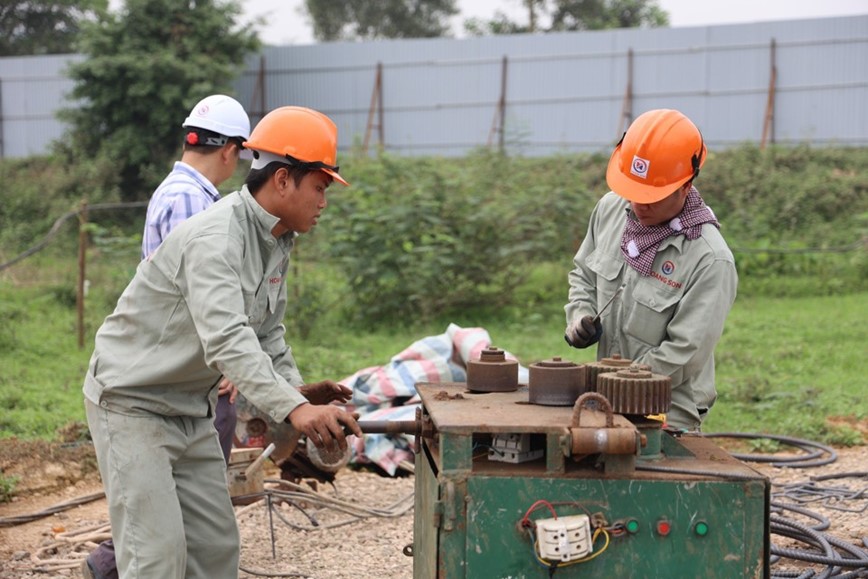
(361, 533)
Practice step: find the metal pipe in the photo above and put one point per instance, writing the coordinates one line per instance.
(259, 460)
(389, 426)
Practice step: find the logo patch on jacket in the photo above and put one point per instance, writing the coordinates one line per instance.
(668, 267)
(667, 280)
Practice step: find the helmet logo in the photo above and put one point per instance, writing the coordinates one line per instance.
(640, 167)
(202, 111)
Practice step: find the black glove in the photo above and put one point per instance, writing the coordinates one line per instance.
(583, 332)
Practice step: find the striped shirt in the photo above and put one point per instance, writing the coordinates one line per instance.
(183, 193)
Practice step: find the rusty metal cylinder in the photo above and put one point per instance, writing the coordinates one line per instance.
(328, 459)
(604, 440)
(556, 382)
(493, 372)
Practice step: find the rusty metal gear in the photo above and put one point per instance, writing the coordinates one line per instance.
(635, 390)
(611, 364)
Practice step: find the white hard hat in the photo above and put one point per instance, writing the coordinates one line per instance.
(221, 114)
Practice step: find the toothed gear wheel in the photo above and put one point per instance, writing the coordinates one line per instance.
(636, 390)
(611, 364)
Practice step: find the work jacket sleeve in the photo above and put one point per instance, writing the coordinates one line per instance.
(209, 277)
(582, 299)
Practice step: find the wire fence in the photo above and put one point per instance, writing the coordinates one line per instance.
(55, 229)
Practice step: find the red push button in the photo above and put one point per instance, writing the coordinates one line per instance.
(663, 527)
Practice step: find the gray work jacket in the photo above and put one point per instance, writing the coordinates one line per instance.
(670, 320)
(209, 302)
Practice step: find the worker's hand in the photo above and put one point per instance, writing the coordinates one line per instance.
(583, 332)
(326, 392)
(324, 425)
(227, 387)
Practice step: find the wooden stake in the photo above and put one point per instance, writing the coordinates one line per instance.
(769, 121)
(82, 253)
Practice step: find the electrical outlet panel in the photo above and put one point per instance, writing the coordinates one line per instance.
(513, 448)
(565, 538)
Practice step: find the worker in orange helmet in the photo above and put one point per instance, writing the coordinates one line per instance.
(654, 241)
(208, 304)
(213, 135)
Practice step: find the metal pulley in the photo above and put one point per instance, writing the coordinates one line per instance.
(492, 372)
(556, 382)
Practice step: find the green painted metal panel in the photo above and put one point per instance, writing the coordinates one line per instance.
(734, 513)
(426, 519)
(469, 508)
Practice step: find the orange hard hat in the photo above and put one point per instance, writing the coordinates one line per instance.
(661, 151)
(296, 136)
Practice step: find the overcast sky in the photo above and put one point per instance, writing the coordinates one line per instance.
(286, 25)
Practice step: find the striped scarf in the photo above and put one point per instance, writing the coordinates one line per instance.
(639, 242)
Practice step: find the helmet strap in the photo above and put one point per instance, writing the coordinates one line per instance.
(696, 158)
(207, 138)
(311, 165)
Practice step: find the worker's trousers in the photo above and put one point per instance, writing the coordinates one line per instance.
(168, 498)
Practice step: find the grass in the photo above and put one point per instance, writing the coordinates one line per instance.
(795, 365)
(792, 366)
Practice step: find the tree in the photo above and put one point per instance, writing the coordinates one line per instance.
(604, 14)
(145, 68)
(566, 15)
(29, 27)
(367, 20)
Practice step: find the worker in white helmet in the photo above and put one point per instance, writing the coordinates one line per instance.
(209, 303)
(213, 135)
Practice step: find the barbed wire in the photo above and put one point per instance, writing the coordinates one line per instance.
(863, 242)
(55, 229)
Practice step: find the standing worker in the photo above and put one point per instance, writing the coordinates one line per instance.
(214, 132)
(653, 239)
(209, 303)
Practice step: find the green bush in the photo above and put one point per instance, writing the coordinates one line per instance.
(39, 190)
(427, 238)
(420, 237)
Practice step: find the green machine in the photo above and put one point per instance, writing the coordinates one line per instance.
(507, 488)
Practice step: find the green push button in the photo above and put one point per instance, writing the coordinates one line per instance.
(701, 528)
(632, 526)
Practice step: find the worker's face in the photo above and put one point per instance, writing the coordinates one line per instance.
(662, 211)
(303, 203)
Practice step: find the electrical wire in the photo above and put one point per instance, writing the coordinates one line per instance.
(58, 508)
(811, 458)
(823, 549)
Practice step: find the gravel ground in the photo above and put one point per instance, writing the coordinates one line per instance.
(343, 545)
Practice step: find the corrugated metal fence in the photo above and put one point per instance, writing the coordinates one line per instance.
(800, 81)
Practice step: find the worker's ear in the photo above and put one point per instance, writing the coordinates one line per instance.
(229, 152)
(281, 179)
